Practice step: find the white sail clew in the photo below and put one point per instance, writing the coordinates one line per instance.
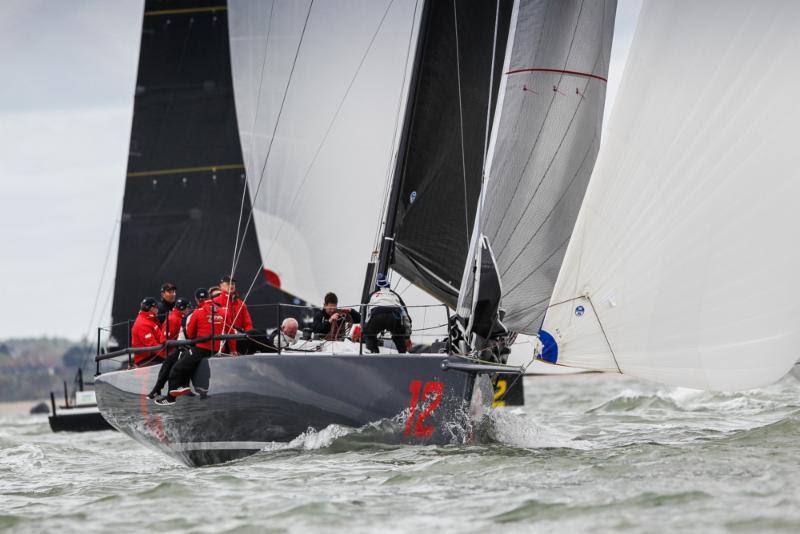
(545, 138)
(321, 180)
(684, 262)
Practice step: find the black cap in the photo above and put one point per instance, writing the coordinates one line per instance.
(147, 303)
(227, 280)
(201, 293)
(168, 286)
(182, 304)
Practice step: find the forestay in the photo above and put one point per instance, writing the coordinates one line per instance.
(319, 87)
(683, 266)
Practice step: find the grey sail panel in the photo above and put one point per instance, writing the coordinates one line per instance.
(544, 143)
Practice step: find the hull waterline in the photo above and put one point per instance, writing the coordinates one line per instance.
(256, 400)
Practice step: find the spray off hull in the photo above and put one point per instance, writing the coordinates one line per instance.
(256, 400)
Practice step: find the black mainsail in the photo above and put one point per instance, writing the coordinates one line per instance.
(185, 177)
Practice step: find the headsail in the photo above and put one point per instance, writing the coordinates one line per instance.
(438, 172)
(319, 87)
(185, 175)
(683, 265)
(545, 138)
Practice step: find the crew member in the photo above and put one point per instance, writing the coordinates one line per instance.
(331, 320)
(287, 333)
(213, 292)
(168, 294)
(205, 321)
(146, 332)
(387, 312)
(171, 329)
(238, 316)
(200, 296)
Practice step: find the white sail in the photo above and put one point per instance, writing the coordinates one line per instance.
(683, 265)
(319, 88)
(545, 137)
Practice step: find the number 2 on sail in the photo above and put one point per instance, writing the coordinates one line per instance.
(432, 392)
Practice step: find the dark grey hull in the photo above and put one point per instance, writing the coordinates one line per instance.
(256, 400)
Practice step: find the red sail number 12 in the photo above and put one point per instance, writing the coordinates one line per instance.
(432, 392)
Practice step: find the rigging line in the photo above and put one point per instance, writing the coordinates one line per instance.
(491, 90)
(605, 336)
(327, 131)
(277, 123)
(461, 122)
(392, 154)
(104, 270)
(236, 244)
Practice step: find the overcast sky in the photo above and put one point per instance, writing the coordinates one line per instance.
(66, 101)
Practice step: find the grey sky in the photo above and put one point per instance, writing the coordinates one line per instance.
(69, 70)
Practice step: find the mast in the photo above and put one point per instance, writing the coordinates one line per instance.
(390, 218)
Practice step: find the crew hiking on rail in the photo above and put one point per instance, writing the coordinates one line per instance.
(219, 310)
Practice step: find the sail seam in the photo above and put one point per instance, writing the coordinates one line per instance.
(559, 71)
(181, 11)
(186, 170)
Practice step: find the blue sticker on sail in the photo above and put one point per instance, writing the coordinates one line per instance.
(579, 311)
(412, 197)
(549, 347)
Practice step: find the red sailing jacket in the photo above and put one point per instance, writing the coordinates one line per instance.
(146, 332)
(237, 314)
(200, 325)
(172, 325)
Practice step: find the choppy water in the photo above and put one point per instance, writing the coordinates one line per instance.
(593, 453)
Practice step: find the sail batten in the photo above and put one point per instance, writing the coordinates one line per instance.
(681, 269)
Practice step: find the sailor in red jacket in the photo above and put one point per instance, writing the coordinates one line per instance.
(207, 319)
(171, 328)
(238, 317)
(146, 332)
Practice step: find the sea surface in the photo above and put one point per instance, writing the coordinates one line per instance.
(593, 453)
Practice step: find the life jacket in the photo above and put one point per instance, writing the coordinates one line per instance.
(146, 332)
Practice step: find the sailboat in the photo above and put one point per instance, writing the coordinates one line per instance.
(381, 125)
